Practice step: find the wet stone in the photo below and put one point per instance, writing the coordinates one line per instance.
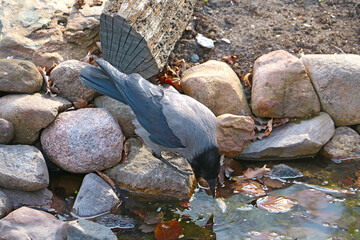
(116, 222)
(284, 171)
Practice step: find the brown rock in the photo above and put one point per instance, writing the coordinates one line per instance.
(27, 223)
(143, 173)
(29, 113)
(217, 86)
(83, 141)
(344, 145)
(336, 79)
(19, 76)
(281, 87)
(234, 133)
(6, 131)
(66, 78)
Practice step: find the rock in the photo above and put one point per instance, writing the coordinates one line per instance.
(19, 76)
(95, 197)
(120, 111)
(217, 86)
(84, 229)
(22, 168)
(281, 87)
(115, 222)
(48, 32)
(27, 223)
(336, 79)
(204, 41)
(358, 129)
(344, 145)
(83, 141)
(143, 173)
(234, 133)
(41, 198)
(6, 131)
(293, 140)
(5, 205)
(29, 113)
(283, 171)
(66, 78)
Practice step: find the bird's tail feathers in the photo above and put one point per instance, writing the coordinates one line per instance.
(100, 81)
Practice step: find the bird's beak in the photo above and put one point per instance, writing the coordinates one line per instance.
(212, 185)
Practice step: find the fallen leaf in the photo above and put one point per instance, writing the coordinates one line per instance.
(248, 186)
(274, 204)
(273, 183)
(168, 230)
(79, 3)
(269, 127)
(231, 59)
(279, 122)
(80, 103)
(246, 79)
(185, 205)
(311, 198)
(256, 173)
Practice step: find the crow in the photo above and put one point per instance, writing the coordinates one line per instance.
(166, 120)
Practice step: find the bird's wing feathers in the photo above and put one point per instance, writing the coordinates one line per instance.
(144, 98)
(96, 79)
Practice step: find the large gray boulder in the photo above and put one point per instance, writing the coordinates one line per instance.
(27, 223)
(217, 86)
(120, 111)
(344, 145)
(143, 173)
(95, 198)
(336, 79)
(22, 168)
(66, 78)
(281, 87)
(295, 139)
(19, 76)
(29, 113)
(83, 141)
(48, 32)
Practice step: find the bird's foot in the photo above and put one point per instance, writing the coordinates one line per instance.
(158, 156)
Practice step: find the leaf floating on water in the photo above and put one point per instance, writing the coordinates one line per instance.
(249, 186)
(312, 199)
(256, 173)
(168, 230)
(273, 183)
(274, 204)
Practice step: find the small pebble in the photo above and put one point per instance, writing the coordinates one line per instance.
(204, 41)
(226, 40)
(194, 58)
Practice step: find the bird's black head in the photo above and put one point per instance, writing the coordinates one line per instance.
(207, 165)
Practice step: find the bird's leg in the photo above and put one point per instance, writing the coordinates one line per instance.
(158, 156)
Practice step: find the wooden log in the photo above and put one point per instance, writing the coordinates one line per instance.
(139, 35)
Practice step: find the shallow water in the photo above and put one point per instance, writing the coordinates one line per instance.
(323, 214)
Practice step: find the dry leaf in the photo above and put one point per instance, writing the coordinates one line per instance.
(168, 230)
(274, 204)
(231, 59)
(273, 183)
(269, 127)
(246, 79)
(185, 205)
(256, 173)
(311, 198)
(248, 186)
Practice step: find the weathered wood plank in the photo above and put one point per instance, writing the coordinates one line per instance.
(138, 35)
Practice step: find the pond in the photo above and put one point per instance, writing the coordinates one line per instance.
(323, 204)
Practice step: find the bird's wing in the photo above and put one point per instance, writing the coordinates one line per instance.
(144, 98)
(124, 48)
(96, 79)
